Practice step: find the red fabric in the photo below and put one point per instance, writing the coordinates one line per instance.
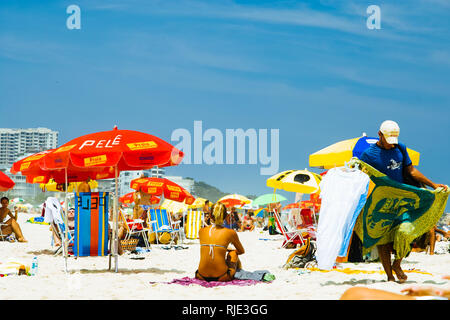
(134, 226)
(307, 216)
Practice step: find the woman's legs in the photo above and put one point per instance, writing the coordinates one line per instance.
(13, 226)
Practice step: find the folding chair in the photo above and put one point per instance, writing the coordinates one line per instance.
(160, 222)
(54, 215)
(309, 222)
(60, 229)
(294, 237)
(194, 221)
(135, 227)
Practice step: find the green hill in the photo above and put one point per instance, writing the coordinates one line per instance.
(204, 190)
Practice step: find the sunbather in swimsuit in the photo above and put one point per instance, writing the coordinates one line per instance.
(9, 223)
(217, 262)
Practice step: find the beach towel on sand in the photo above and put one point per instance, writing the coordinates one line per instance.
(186, 281)
(396, 212)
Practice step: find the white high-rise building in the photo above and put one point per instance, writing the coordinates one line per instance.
(15, 143)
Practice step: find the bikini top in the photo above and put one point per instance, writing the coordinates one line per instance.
(211, 246)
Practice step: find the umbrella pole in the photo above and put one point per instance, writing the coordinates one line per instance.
(115, 235)
(66, 223)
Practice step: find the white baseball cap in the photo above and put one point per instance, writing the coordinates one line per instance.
(391, 131)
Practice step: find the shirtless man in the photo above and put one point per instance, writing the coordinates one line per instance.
(217, 261)
(84, 186)
(141, 199)
(7, 218)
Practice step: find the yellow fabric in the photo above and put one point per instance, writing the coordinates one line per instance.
(51, 186)
(164, 238)
(152, 237)
(353, 271)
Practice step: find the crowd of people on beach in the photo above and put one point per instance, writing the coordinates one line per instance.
(220, 246)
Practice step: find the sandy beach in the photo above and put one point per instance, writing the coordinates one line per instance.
(89, 277)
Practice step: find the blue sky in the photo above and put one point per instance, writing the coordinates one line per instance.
(311, 69)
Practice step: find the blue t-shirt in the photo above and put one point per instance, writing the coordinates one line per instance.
(390, 162)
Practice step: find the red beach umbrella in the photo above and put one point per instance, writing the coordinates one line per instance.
(113, 151)
(130, 197)
(5, 182)
(162, 186)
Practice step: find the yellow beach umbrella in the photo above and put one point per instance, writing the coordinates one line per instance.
(198, 203)
(302, 181)
(174, 206)
(338, 153)
(53, 186)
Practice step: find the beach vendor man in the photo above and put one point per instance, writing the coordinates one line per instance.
(391, 158)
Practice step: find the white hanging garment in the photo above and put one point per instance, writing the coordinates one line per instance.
(343, 193)
(53, 211)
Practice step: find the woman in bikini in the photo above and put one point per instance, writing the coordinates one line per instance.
(9, 222)
(217, 261)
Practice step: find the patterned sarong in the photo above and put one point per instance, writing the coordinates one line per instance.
(396, 212)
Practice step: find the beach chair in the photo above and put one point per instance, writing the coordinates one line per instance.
(159, 220)
(60, 229)
(54, 215)
(295, 237)
(194, 221)
(309, 222)
(135, 227)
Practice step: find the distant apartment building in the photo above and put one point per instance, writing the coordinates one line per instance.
(19, 143)
(16, 143)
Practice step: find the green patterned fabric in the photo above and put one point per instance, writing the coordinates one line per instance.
(396, 212)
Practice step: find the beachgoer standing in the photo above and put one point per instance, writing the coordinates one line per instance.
(391, 158)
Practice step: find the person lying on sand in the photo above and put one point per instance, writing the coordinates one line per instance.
(410, 293)
(9, 222)
(217, 261)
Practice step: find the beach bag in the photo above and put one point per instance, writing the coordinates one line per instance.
(129, 244)
(301, 257)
